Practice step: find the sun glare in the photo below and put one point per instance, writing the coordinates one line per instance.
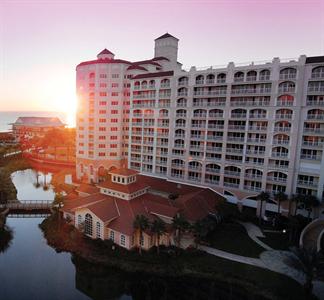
(66, 104)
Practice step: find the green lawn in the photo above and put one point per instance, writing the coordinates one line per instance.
(276, 240)
(233, 238)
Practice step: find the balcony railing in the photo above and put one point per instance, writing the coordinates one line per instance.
(215, 126)
(314, 130)
(232, 173)
(251, 78)
(252, 188)
(286, 89)
(277, 179)
(232, 185)
(184, 93)
(235, 139)
(308, 183)
(315, 117)
(315, 103)
(258, 116)
(310, 157)
(211, 181)
(183, 83)
(257, 141)
(253, 176)
(199, 81)
(313, 144)
(214, 149)
(288, 76)
(255, 152)
(264, 77)
(282, 129)
(200, 115)
(285, 103)
(315, 89)
(212, 170)
(284, 116)
(238, 115)
(179, 115)
(193, 178)
(165, 85)
(216, 115)
(317, 75)
(258, 128)
(279, 154)
(281, 142)
(214, 138)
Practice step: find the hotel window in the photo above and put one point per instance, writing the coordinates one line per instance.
(114, 85)
(81, 152)
(114, 129)
(103, 111)
(103, 94)
(113, 137)
(142, 240)
(102, 137)
(122, 240)
(102, 120)
(102, 146)
(91, 170)
(114, 120)
(114, 94)
(112, 235)
(88, 224)
(113, 145)
(114, 102)
(79, 219)
(102, 154)
(114, 112)
(113, 154)
(102, 102)
(102, 128)
(81, 136)
(103, 85)
(91, 85)
(98, 229)
(114, 75)
(103, 76)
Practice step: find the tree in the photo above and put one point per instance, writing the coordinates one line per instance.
(310, 202)
(202, 228)
(296, 198)
(306, 260)
(280, 197)
(262, 197)
(158, 229)
(179, 224)
(141, 223)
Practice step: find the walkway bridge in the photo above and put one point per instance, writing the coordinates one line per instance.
(27, 208)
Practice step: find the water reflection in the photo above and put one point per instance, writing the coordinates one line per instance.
(6, 236)
(33, 185)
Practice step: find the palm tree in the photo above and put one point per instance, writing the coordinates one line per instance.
(280, 197)
(140, 224)
(310, 202)
(158, 229)
(179, 224)
(262, 197)
(306, 260)
(202, 228)
(296, 198)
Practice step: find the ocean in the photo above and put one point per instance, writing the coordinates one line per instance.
(7, 117)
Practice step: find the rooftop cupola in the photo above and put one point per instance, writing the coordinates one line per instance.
(106, 54)
(123, 176)
(166, 46)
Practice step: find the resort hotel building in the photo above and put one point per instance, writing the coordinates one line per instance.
(236, 129)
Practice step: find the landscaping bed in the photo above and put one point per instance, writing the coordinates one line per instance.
(172, 263)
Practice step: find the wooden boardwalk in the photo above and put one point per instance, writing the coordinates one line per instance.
(27, 206)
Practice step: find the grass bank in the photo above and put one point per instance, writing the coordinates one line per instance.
(253, 280)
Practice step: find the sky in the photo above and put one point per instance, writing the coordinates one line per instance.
(41, 41)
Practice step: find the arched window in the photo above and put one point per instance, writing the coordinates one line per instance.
(81, 168)
(144, 84)
(182, 102)
(79, 219)
(200, 79)
(183, 91)
(137, 85)
(318, 72)
(92, 75)
(122, 240)
(180, 133)
(238, 77)
(152, 84)
(212, 168)
(287, 87)
(315, 114)
(179, 143)
(216, 113)
(285, 100)
(288, 73)
(98, 230)
(181, 113)
(91, 169)
(183, 81)
(221, 78)
(181, 123)
(200, 113)
(210, 79)
(88, 224)
(264, 75)
(195, 165)
(284, 113)
(165, 83)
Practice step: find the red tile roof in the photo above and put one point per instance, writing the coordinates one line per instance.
(123, 172)
(136, 67)
(106, 210)
(106, 51)
(124, 188)
(156, 74)
(87, 189)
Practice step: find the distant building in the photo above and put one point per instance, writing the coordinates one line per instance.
(29, 127)
(108, 210)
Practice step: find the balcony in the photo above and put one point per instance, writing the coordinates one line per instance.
(232, 173)
(315, 89)
(214, 138)
(307, 183)
(144, 96)
(251, 78)
(197, 147)
(180, 176)
(231, 185)
(180, 125)
(279, 155)
(258, 128)
(281, 142)
(282, 129)
(284, 116)
(179, 135)
(181, 115)
(196, 168)
(317, 130)
(276, 179)
(258, 116)
(255, 152)
(163, 124)
(199, 81)
(136, 124)
(315, 103)
(287, 89)
(183, 83)
(318, 75)
(212, 170)
(234, 150)
(216, 115)
(313, 144)
(238, 116)
(251, 91)
(198, 125)
(285, 103)
(264, 77)
(287, 76)
(177, 166)
(210, 81)
(179, 146)
(221, 80)
(164, 95)
(278, 166)
(204, 116)
(165, 85)
(183, 93)
(252, 188)
(211, 181)
(257, 141)
(197, 136)
(235, 139)
(161, 162)
(315, 117)
(214, 149)
(253, 176)
(311, 157)
(194, 178)
(215, 126)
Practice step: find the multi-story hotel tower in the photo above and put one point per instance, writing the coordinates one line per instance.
(238, 129)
